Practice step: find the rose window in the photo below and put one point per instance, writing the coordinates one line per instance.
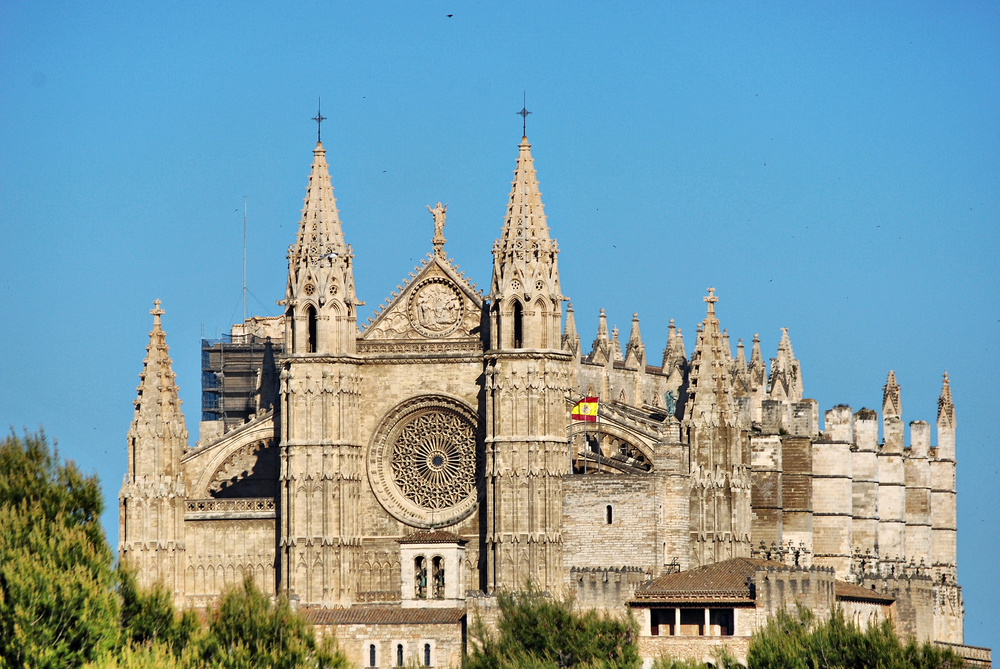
(422, 463)
(433, 460)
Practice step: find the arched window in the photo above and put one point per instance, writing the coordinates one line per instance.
(438, 570)
(518, 325)
(427, 655)
(371, 655)
(311, 341)
(609, 512)
(399, 655)
(420, 574)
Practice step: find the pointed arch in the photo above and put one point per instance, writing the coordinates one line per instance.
(312, 329)
(517, 325)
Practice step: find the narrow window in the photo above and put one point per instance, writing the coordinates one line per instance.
(609, 512)
(438, 569)
(427, 655)
(420, 571)
(399, 655)
(518, 325)
(311, 342)
(371, 656)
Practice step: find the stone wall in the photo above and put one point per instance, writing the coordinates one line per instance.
(631, 536)
(445, 641)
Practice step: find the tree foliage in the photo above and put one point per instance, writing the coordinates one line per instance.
(538, 632)
(57, 603)
(248, 630)
(801, 641)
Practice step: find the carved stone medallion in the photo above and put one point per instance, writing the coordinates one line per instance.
(435, 307)
(422, 462)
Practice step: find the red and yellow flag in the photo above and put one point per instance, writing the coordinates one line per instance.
(586, 409)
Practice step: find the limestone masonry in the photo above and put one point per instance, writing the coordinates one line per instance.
(389, 479)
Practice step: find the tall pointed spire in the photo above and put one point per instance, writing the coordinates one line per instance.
(151, 500)
(158, 436)
(320, 299)
(525, 234)
(946, 409)
(320, 232)
(525, 288)
(710, 391)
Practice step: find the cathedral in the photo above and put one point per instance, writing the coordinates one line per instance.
(390, 478)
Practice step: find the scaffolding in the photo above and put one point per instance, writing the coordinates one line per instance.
(239, 374)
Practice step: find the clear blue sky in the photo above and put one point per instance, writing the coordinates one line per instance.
(832, 167)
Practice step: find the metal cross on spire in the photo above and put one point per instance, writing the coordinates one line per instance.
(319, 118)
(524, 116)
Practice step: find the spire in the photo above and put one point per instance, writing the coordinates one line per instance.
(570, 339)
(756, 364)
(320, 298)
(525, 272)
(635, 350)
(727, 349)
(157, 436)
(785, 382)
(616, 347)
(741, 358)
(946, 410)
(525, 234)
(319, 232)
(710, 391)
(600, 351)
(674, 356)
(891, 403)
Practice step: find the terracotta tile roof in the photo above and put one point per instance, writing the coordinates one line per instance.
(432, 537)
(723, 580)
(850, 591)
(383, 615)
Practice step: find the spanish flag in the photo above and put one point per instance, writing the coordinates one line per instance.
(586, 409)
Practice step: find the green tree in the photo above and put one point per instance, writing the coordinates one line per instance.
(149, 617)
(536, 631)
(57, 603)
(801, 641)
(248, 630)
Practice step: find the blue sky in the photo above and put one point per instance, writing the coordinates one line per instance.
(833, 168)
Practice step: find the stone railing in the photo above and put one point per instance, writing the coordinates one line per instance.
(377, 596)
(235, 508)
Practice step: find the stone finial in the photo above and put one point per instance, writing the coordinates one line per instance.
(570, 338)
(438, 212)
(635, 350)
(946, 409)
(674, 355)
(616, 346)
(785, 380)
(891, 402)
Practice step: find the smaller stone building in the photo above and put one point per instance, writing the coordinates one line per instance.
(690, 614)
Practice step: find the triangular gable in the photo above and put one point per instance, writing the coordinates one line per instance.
(436, 303)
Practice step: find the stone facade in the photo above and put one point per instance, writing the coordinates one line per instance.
(449, 411)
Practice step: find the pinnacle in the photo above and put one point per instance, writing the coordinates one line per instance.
(525, 220)
(891, 401)
(319, 234)
(157, 400)
(946, 409)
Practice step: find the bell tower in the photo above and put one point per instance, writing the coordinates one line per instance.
(320, 453)
(528, 375)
